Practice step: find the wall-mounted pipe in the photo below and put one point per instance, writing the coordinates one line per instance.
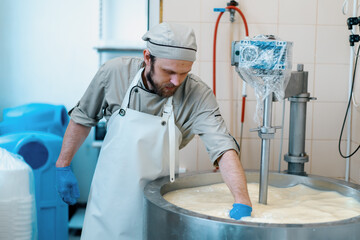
(348, 145)
(222, 10)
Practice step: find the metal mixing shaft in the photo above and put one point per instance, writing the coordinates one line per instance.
(266, 132)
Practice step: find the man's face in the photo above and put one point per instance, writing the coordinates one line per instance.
(166, 75)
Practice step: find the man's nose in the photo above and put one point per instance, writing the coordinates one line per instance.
(175, 79)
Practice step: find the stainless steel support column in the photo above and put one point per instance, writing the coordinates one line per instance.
(297, 156)
(298, 96)
(266, 133)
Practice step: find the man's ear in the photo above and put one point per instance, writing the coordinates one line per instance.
(146, 57)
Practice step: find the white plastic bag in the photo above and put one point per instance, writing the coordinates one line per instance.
(265, 63)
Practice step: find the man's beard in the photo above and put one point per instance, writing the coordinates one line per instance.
(161, 90)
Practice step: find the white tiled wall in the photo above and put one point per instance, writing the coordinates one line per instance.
(297, 12)
(319, 32)
(333, 76)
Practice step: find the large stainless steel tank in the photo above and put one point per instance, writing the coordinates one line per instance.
(167, 221)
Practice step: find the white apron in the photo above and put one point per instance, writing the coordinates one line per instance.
(137, 149)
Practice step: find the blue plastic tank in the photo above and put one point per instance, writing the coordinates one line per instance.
(35, 117)
(41, 150)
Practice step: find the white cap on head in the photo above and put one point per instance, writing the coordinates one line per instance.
(171, 41)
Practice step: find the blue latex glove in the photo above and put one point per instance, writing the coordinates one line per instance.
(67, 185)
(240, 210)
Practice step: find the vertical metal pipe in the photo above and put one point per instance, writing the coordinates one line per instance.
(348, 146)
(100, 29)
(297, 128)
(297, 156)
(265, 151)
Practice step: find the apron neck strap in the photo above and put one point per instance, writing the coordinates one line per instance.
(134, 82)
(168, 108)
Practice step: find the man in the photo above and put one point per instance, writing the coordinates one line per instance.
(153, 107)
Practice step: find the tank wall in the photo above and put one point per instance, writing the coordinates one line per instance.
(178, 223)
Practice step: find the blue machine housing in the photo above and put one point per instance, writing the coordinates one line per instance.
(35, 117)
(265, 63)
(269, 55)
(41, 150)
(35, 131)
(263, 56)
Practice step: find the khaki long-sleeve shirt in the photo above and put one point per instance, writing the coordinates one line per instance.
(195, 107)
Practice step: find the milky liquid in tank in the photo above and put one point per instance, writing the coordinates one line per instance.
(297, 204)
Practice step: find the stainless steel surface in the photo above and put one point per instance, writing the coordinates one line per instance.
(296, 156)
(298, 83)
(167, 221)
(265, 150)
(297, 128)
(300, 67)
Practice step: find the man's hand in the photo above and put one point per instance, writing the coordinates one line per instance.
(67, 185)
(240, 210)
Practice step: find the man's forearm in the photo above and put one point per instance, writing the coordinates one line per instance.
(74, 137)
(234, 176)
